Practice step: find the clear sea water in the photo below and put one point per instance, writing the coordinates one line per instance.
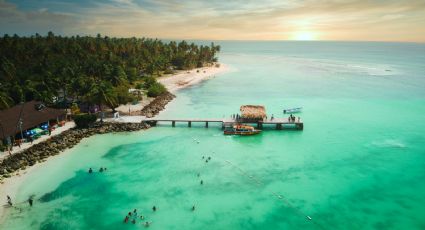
(359, 163)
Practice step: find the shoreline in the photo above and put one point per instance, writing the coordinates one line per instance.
(174, 82)
(187, 78)
(14, 168)
(11, 185)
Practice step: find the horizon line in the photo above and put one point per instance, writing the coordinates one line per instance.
(199, 39)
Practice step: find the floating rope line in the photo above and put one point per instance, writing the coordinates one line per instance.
(258, 182)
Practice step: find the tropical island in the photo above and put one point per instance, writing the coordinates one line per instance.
(95, 70)
(104, 124)
(85, 79)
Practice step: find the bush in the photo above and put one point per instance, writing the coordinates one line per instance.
(169, 71)
(149, 81)
(139, 86)
(84, 120)
(156, 89)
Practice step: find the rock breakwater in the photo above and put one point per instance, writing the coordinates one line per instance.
(157, 105)
(56, 144)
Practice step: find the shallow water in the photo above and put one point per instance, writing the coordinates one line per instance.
(358, 164)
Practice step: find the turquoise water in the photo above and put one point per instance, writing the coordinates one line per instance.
(358, 164)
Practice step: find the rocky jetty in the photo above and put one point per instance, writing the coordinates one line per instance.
(157, 105)
(56, 144)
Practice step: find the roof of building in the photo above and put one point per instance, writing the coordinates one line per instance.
(32, 113)
(253, 111)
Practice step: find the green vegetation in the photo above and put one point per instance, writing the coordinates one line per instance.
(97, 70)
(84, 120)
(156, 89)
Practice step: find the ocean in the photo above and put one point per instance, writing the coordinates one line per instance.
(359, 163)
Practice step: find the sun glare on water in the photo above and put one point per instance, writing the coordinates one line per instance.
(304, 36)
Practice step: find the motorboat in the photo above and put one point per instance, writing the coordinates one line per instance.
(293, 110)
(243, 130)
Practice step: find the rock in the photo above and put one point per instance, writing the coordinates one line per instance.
(67, 139)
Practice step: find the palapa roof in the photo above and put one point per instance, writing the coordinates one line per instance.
(253, 111)
(32, 115)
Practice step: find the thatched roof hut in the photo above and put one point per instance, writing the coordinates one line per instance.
(253, 112)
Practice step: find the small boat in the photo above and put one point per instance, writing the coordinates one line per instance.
(243, 130)
(293, 110)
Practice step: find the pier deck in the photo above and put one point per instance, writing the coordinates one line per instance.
(280, 123)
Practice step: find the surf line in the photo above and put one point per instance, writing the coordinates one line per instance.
(258, 182)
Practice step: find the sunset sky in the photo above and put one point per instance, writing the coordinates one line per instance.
(373, 20)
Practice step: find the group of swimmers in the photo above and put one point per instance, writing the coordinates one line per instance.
(100, 170)
(133, 216)
(207, 159)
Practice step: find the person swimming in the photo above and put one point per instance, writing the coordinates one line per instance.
(147, 224)
(126, 219)
(30, 200)
(154, 208)
(193, 208)
(101, 169)
(142, 217)
(90, 170)
(133, 221)
(202, 182)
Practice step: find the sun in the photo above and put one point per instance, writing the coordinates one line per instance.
(304, 36)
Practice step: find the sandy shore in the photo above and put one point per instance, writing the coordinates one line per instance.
(11, 185)
(173, 83)
(188, 78)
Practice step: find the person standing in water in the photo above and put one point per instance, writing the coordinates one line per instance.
(90, 170)
(9, 200)
(30, 200)
(154, 208)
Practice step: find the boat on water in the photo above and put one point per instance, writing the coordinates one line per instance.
(243, 130)
(293, 110)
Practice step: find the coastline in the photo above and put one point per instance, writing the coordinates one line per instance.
(9, 186)
(187, 78)
(173, 83)
(13, 170)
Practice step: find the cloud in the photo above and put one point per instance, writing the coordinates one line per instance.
(389, 20)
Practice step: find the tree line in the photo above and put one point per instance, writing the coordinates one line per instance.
(95, 70)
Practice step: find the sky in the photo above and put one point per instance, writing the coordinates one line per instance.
(346, 20)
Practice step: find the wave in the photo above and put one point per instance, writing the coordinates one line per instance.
(389, 143)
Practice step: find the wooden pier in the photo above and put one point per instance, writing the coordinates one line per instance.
(279, 123)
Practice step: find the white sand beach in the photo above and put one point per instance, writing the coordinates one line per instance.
(10, 186)
(173, 83)
(188, 78)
